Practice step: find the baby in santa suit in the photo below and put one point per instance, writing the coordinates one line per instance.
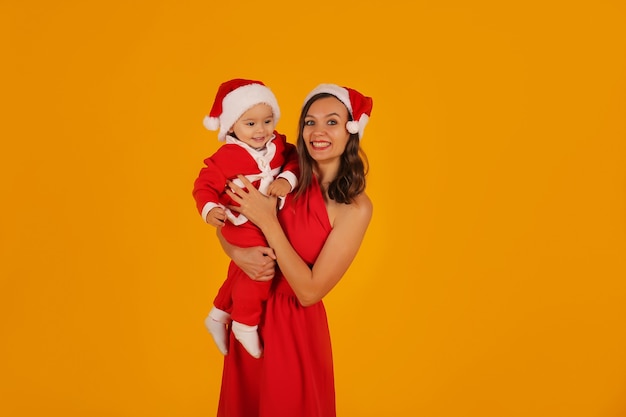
(246, 113)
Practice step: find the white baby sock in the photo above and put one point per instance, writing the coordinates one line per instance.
(248, 337)
(217, 322)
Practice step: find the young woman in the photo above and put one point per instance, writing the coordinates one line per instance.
(313, 239)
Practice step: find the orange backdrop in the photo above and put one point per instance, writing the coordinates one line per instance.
(492, 279)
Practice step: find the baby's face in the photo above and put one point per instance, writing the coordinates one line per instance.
(255, 126)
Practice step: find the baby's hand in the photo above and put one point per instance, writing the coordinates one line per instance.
(216, 217)
(280, 187)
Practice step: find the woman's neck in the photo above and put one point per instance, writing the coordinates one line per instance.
(326, 173)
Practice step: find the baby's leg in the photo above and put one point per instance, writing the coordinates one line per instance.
(248, 300)
(217, 323)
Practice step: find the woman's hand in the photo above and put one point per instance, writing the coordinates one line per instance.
(258, 208)
(257, 262)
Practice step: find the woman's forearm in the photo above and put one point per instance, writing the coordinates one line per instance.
(340, 248)
(294, 269)
(309, 284)
(226, 246)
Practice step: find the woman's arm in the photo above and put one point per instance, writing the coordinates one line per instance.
(258, 262)
(340, 249)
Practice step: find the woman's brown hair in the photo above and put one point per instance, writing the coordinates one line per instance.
(350, 180)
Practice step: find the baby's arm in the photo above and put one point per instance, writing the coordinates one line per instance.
(216, 217)
(280, 187)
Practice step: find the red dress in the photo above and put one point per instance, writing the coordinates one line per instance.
(294, 377)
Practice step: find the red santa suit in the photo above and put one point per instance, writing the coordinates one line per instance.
(239, 295)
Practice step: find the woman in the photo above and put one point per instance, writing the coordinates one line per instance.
(313, 239)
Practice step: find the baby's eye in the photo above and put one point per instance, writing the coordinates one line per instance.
(250, 124)
(268, 121)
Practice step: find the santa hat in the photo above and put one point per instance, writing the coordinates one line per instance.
(233, 99)
(359, 106)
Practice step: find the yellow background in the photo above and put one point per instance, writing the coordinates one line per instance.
(492, 279)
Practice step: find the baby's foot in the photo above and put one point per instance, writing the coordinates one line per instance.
(248, 337)
(217, 323)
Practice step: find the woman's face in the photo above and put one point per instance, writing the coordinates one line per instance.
(324, 130)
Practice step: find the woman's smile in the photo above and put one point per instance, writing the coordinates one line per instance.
(320, 144)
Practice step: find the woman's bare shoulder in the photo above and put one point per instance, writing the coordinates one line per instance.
(364, 201)
(361, 207)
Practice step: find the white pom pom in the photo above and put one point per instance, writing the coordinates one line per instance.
(352, 126)
(211, 123)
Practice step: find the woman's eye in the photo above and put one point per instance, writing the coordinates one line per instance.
(309, 123)
(332, 122)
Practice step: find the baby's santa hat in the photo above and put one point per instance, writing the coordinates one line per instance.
(359, 106)
(233, 99)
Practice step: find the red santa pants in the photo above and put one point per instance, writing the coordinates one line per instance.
(239, 295)
(242, 297)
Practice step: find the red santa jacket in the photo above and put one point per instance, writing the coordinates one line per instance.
(231, 159)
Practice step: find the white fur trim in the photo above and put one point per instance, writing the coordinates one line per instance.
(211, 123)
(362, 123)
(337, 91)
(237, 102)
(352, 126)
